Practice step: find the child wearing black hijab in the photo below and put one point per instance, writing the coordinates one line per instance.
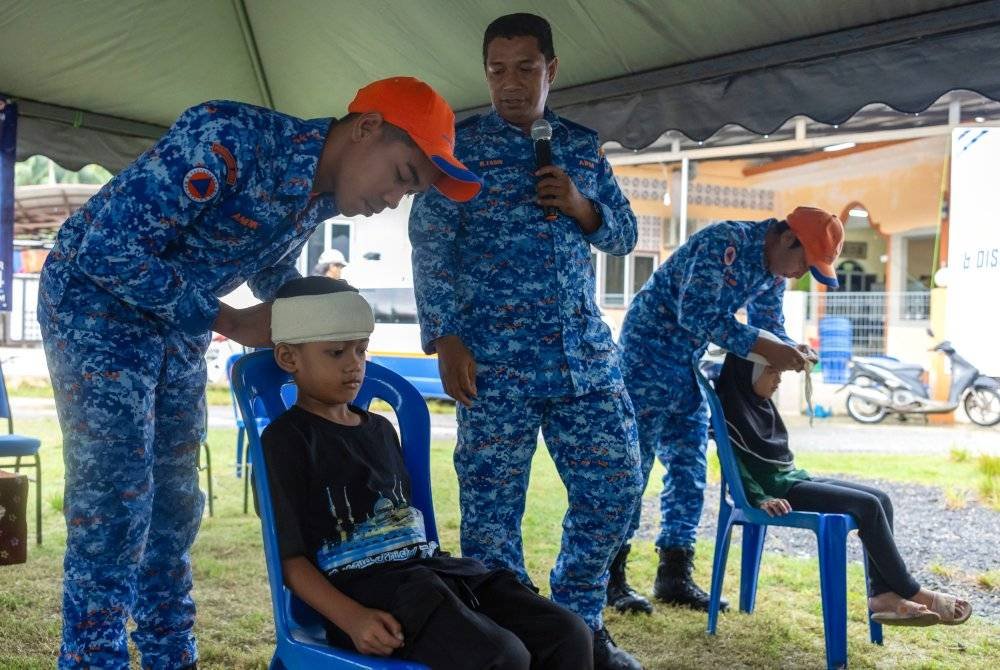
(773, 483)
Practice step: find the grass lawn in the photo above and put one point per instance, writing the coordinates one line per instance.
(234, 615)
(217, 394)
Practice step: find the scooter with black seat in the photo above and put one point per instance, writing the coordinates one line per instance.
(878, 387)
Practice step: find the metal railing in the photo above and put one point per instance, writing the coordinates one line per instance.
(20, 325)
(870, 314)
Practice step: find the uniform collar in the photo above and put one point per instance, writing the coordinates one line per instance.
(304, 146)
(493, 122)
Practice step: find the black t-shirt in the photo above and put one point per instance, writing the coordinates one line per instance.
(341, 494)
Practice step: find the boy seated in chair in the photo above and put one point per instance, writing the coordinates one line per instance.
(352, 546)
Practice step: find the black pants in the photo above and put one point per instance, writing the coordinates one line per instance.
(872, 510)
(488, 621)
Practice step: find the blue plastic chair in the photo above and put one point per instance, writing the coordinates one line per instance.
(240, 427)
(242, 453)
(17, 447)
(831, 535)
(262, 391)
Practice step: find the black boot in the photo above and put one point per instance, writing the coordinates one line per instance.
(674, 584)
(620, 595)
(607, 655)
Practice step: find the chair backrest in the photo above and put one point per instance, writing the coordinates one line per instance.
(262, 391)
(230, 362)
(288, 395)
(5, 412)
(724, 448)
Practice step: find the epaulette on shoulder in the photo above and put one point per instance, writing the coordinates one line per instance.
(576, 127)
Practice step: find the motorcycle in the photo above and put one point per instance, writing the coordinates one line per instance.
(880, 386)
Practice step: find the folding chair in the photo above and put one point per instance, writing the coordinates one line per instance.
(16, 447)
(831, 535)
(261, 390)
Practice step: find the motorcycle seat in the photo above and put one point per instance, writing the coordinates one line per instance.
(894, 366)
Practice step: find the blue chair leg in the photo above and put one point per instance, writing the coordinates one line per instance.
(832, 541)
(239, 453)
(247, 474)
(753, 549)
(723, 533)
(38, 498)
(874, 627)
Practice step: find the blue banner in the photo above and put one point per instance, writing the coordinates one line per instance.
(8, 153)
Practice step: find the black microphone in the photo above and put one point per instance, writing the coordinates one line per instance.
(541, 133)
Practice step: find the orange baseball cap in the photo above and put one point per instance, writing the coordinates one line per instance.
(822, 237)
(412, 105)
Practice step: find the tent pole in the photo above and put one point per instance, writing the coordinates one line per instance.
(683, 197)
(8, 156)
(251, 44)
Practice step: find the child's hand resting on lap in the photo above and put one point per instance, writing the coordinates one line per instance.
(776, 507)
(374, 632)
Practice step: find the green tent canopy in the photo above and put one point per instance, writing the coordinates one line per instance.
(99, 81)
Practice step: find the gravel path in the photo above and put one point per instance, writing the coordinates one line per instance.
(890, 436)
(965, 542)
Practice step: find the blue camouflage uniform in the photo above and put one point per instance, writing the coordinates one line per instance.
(689, 301)
(127, 299)
(519, 291)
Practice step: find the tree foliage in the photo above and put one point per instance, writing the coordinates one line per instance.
(41, 170)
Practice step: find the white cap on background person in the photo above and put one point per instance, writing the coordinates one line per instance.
(332, 257)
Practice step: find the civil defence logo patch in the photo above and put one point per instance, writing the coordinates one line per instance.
(201, 185)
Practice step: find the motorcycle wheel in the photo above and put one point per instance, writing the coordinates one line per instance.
(982, 406)
(863, 411)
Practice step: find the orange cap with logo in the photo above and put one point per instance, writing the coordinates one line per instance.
(822, 237)
(412, 105)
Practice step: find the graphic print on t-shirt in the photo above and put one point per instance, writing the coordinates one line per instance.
(392, 530)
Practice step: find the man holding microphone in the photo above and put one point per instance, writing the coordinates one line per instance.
(505, 292)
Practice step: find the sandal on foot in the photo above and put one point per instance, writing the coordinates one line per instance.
(917, 619)
(944, 606)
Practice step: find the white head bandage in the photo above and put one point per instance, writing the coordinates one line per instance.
(759, 361)
(320, 317)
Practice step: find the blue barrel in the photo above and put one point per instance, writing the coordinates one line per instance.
(834, 348)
